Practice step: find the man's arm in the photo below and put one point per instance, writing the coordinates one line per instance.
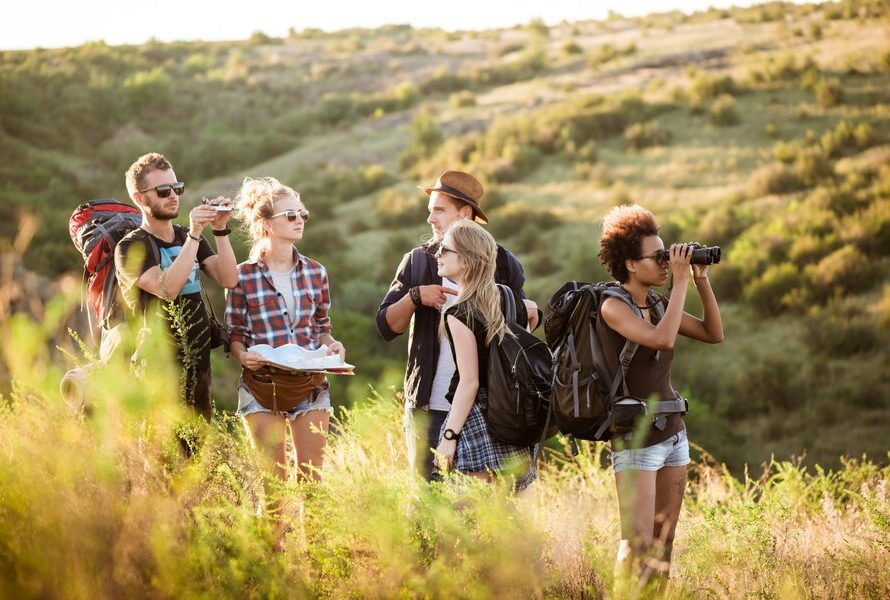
(222, 266)
(398, 302)
(397, 308)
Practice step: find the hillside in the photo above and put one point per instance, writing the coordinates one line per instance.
(764, 130)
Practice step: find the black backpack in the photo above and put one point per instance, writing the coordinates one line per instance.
(519, 379)
(586, 400)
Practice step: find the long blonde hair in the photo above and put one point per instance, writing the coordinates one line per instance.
(256, 200)
(479, 294)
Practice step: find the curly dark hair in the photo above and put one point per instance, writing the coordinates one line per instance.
(624, 228)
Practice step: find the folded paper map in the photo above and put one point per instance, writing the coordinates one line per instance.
(297, 358)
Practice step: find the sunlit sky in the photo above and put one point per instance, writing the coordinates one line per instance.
(39, 23)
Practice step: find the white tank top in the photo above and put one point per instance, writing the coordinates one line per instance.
(445, 367)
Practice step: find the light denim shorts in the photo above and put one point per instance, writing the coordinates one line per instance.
(248, 405)
(673, 452)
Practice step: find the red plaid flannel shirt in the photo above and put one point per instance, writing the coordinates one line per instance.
(255, 310)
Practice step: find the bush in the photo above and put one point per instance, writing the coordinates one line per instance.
(462, 99)
(771, 292)
(644, 135)
(812, 165)
(775, 178)
(571, 48)
(425, 138)
(829, 93)
(706, 86)
(844, 270)
(444, 82)
(723, 113)
(608, 52)
(400, 207)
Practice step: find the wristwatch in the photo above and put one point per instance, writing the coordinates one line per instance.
(450, 434)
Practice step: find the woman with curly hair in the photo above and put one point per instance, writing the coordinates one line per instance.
(650, 476)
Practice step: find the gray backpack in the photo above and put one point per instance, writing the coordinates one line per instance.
(588, 403)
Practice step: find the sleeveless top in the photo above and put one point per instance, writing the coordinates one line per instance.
(649, 375)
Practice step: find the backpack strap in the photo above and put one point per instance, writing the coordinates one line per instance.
(626, 356)
(509, 303)
(502, 267)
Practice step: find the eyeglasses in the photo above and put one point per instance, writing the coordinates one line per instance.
(293, 214)
(662, 257)
(442, 250)
(164, 189)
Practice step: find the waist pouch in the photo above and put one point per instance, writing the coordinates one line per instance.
(626, 412)
(280, 390)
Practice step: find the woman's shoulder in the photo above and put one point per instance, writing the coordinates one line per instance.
(312, 263)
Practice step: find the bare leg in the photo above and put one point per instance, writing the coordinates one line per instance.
(636, 503)
(309, 432)
(670, 487)
(268, 434)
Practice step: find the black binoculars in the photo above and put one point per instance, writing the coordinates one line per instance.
(701, 255)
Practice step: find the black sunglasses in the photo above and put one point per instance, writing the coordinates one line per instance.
(164, 189)
(291, 215)
(443, 249)
(662, 257)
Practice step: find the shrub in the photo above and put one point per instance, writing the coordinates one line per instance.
(845, 334)
(723, 113)
(400, 207)
(538, 27)
(425, 138)
(829, 93)
(644, 135)
(846, 269)
(706, 86)
(462, 99)
(774, 178)
(608, 52)
(770, 293)
(571, 48)
(444, 82)
(815, 30)
(812, 165)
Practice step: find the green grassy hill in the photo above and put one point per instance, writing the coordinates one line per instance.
(765, 130)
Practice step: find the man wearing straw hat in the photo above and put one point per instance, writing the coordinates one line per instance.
(416, 299)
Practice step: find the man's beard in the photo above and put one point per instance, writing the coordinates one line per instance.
(157, 212)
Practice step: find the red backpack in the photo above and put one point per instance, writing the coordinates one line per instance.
(96, 227)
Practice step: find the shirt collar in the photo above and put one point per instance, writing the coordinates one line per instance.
(299, 260)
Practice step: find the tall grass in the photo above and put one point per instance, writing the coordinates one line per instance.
(139, 499)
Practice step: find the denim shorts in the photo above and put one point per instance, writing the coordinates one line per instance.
(673, 452)
(248, 405)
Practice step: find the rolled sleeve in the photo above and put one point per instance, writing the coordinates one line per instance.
(236, 312)
(397, 290)
(321, 321)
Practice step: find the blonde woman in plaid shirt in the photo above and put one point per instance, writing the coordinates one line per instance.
(282, 297)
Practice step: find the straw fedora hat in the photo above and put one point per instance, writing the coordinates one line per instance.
(460, 186)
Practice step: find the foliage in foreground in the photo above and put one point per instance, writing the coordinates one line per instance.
(136, 499)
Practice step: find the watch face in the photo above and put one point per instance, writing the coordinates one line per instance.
(450, 435)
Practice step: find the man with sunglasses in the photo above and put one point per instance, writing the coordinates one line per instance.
(416, 299)
(160, 262)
